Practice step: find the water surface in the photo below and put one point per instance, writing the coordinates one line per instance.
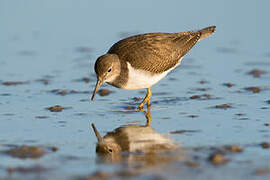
(49, 45)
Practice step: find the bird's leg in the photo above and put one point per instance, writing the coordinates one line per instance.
(146, 99)
(148, 116)
(149, 97)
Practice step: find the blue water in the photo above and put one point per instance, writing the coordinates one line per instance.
(40, 39)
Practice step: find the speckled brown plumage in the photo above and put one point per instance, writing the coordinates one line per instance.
(157, 52)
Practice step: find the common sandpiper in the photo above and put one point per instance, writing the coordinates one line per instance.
(140, 61)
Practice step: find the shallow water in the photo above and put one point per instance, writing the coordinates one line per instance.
(49, 45)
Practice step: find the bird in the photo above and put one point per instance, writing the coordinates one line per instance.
(133, 138)
(140, 61)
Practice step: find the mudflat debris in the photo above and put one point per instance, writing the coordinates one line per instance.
(84, 79)
(25, 170)
(223, 106)
(57, 108)
(43, 81)
(103, 175)
(265, 145)
(64, 92)
(184, 131)
(201, 97)
(217, 159)
(262, 171)
(14, 83)
(104, 92)
(192, 116)
(229, 85)
(234, 148)
(254, 89)
(24, 152)
(256, 73)
(192, 163)
(203, 82)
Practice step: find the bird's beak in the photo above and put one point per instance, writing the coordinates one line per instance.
(99, 83)
(99, 138)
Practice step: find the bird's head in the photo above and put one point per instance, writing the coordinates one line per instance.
(107, 150)
(107, 68)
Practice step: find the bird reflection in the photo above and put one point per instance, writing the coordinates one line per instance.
(136, 143)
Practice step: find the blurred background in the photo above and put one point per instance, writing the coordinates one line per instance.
(53, 28)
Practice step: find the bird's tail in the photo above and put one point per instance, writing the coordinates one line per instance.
(207, 31)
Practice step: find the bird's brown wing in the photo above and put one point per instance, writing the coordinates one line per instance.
(155, 52)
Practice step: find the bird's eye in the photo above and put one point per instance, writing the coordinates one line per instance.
(110, 150)
(109, 70)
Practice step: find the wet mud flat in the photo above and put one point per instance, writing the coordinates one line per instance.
(126, 153)
(207, 127)
(209, 118)
(48, 133)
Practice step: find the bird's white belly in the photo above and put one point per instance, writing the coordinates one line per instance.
(140, 79)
